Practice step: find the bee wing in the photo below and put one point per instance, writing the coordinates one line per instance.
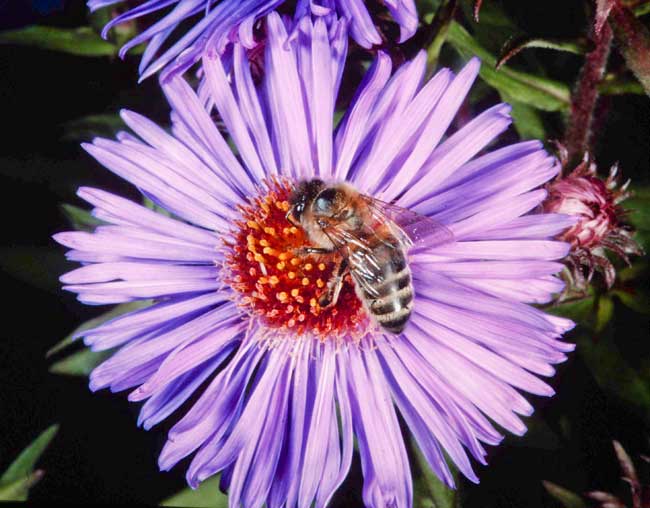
(414, 229)
(365, 266)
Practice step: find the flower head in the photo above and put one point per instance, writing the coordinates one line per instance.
(286, 380)
(599, 226)
(218, 22)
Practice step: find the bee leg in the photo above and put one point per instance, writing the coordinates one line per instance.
(304, 251)
(334, 285)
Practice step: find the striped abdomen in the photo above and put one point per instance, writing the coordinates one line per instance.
(383, 280)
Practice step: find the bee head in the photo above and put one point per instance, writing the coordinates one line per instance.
(304, 193)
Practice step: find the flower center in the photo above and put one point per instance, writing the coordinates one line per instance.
(282, 286)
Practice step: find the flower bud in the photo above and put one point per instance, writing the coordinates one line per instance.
(601, 221)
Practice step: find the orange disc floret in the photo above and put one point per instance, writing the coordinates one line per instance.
(278, 285)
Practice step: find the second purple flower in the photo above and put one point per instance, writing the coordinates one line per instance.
(218, 22)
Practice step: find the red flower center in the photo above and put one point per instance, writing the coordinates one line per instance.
(278, 285)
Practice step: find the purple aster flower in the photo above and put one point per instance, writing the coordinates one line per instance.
(219, 21)
(285, 383)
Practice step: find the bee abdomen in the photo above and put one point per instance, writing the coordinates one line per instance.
(393, 300)
(385, 285)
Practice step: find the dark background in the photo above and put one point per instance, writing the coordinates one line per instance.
(99, 455)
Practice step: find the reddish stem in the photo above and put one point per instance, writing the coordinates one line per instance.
(477, 9)
(633, 40)
(585, 95)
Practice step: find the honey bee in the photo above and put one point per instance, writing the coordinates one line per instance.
(372, 239)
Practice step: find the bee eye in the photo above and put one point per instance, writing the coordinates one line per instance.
(325, 200)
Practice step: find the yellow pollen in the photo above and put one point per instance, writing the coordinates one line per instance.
(280, 281)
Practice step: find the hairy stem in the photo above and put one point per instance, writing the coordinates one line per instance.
(585, 95)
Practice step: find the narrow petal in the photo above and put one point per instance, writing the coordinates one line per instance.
(387, 477)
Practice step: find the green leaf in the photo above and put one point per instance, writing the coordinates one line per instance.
(116, 311)
(19, 490)
(516, 44)
(604, 313)
(639, 208)
(637, 270)
(566, 498)
(437, 32)
(427, 8)
(613, 374)
(156, 208)
(636, 299)
(616, 85)
(37, 266)
(80, 363)
(207, 495)
(81, 41)
(638, 215)
(495, 26)
(98, 19)
(25, 462)
(527, 121)
(79, 218)
(581, 311)
(641, 10)
(536, 91)
(118, 35)
(428, 490)
(88, 127)
(20, 476)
